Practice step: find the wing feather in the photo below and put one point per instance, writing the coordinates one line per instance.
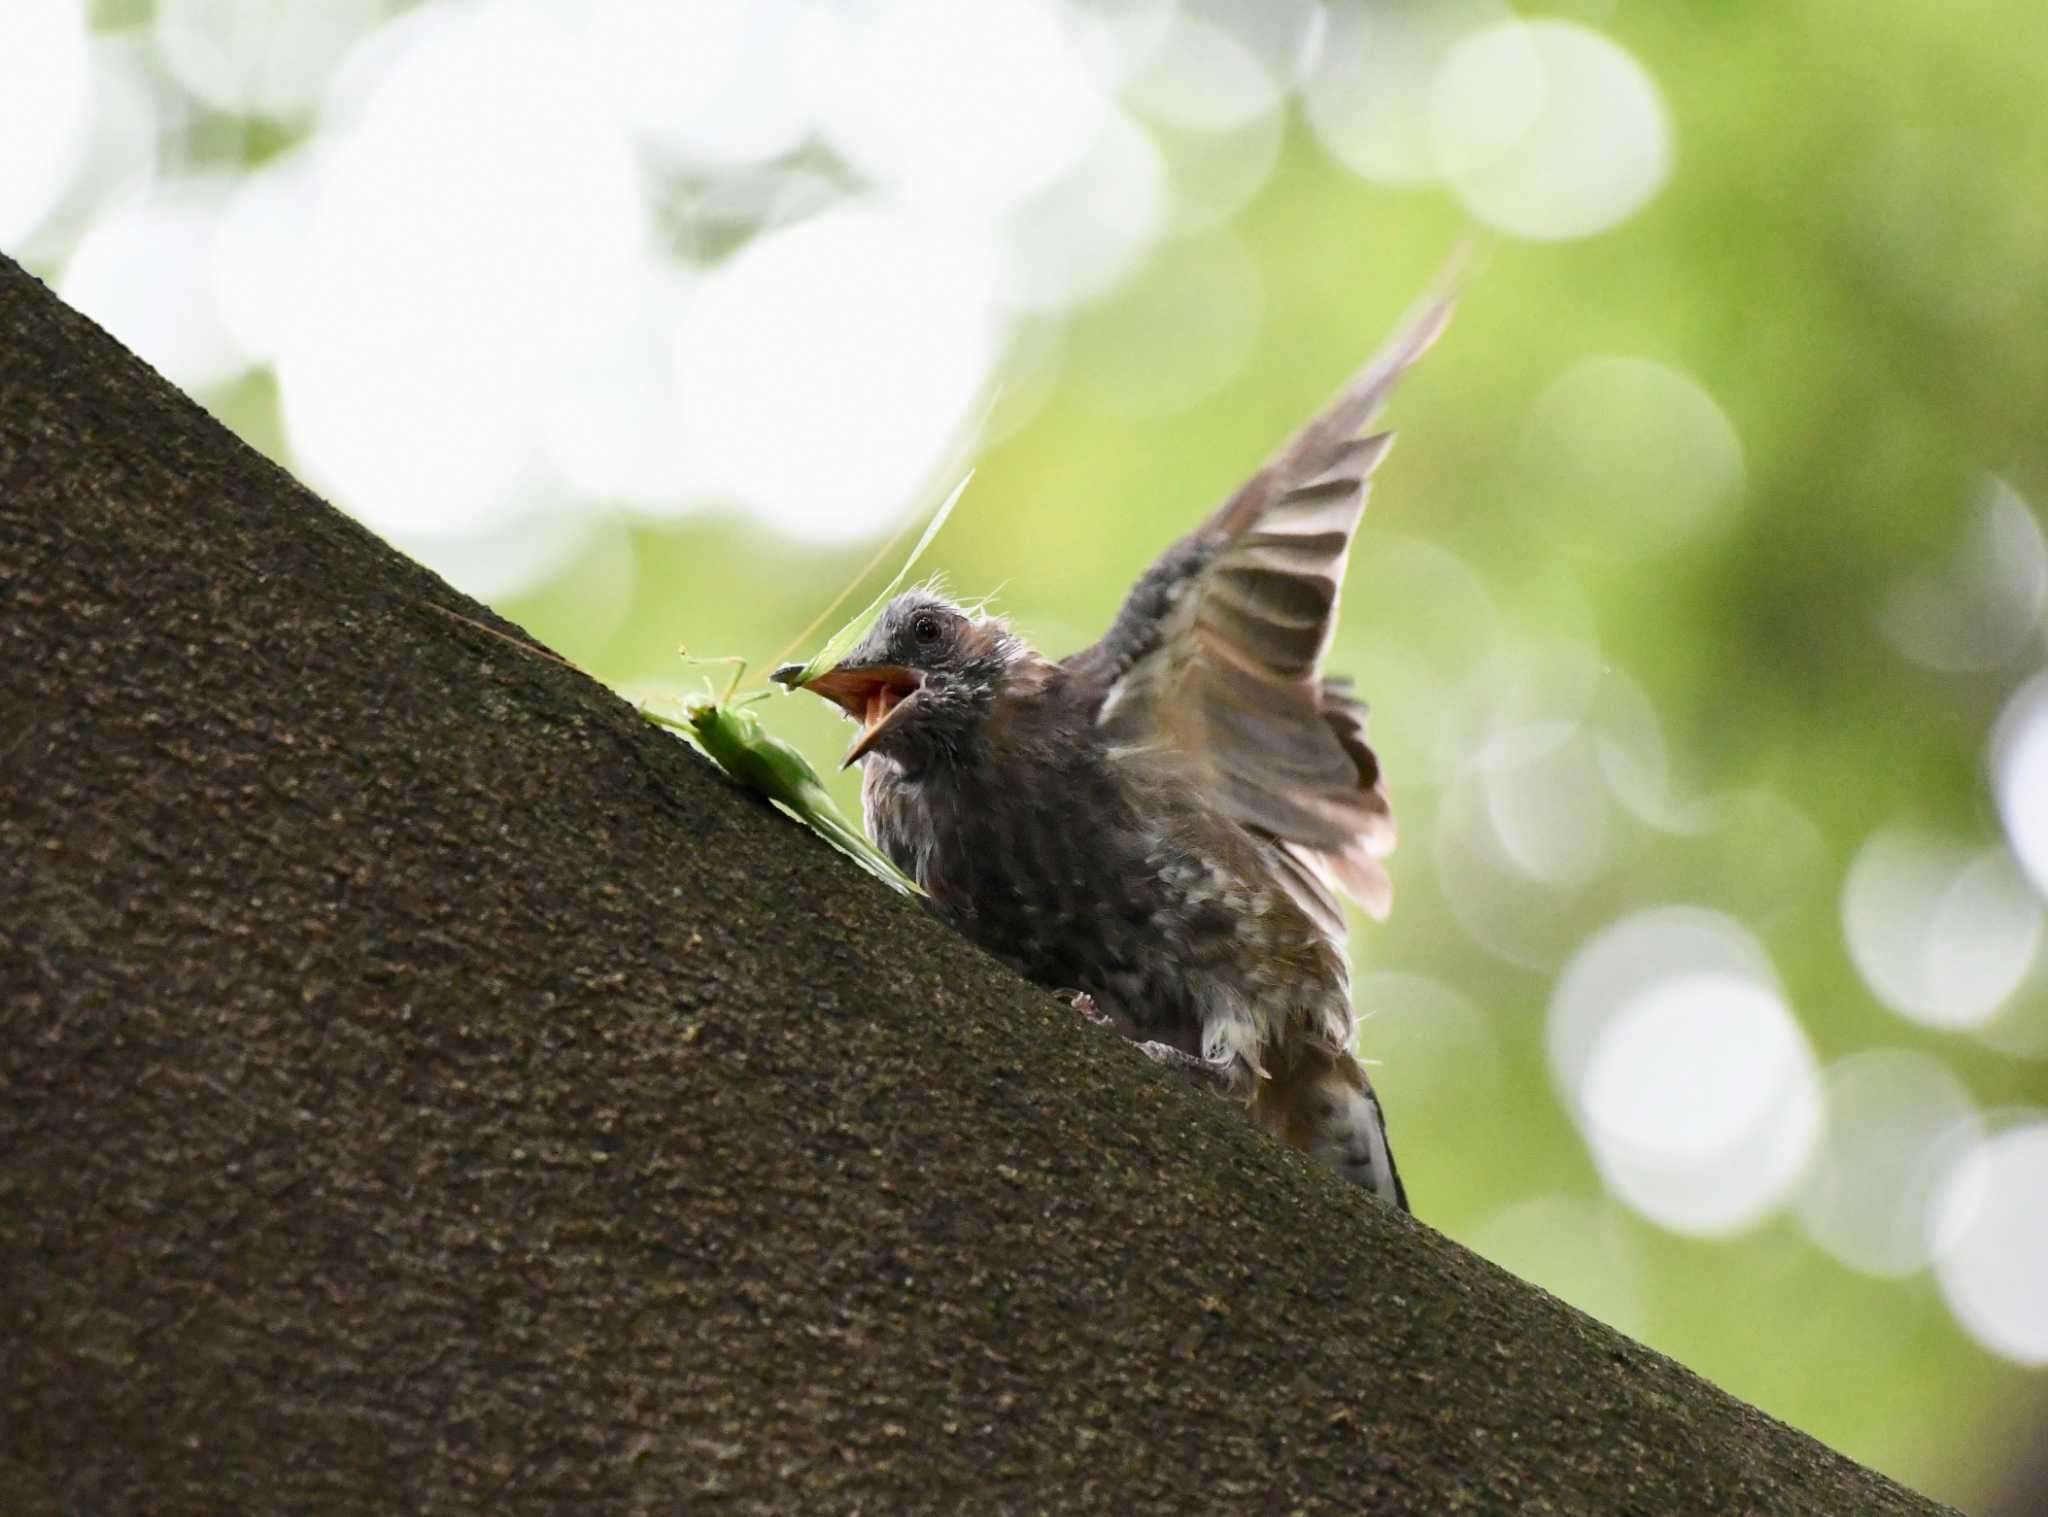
(1217, 654)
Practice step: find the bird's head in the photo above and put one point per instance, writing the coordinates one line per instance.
(922, 681)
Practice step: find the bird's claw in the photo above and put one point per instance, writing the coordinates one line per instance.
(1210, 1077)
(1217, 1079)
(1084, 1006)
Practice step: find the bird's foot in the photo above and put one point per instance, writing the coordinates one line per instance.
(1217, 1079)
(1084, 1007)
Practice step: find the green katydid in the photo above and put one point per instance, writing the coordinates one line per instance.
(731, 736)
(725, 731)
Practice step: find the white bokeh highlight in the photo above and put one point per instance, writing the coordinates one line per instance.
(825, 372)
(130, 141)
(46, 96)
(1283, 35)
(1214, 175)
(1082, 235)
(610, 428)
(1895, 1121)
(1202, 79)
(1367, 94)
(258, 249)
(1543, 796)
(1978, 610)
(2019, 776)
(1114, 43)
(534, 259)
(480, 228)
(258, 57)
(1548, 750)
(145, 271)
(1691, 1080)
(1991, 1215)
(973, 108)
(1548, 130)
(1943, 933)
(1215, 108)
(714, 84)
(1497, 904)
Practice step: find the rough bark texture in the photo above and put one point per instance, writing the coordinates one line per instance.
(423, 1085)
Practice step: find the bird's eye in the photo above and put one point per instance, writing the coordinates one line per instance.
(925, 628)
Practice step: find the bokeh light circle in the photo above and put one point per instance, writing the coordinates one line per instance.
(1117, 42)
(1991, 1215)
(1624, 457)
(974, 108)
(715, 83)
(131, 138)
(1943, 933)
(2019, 776)
(1202, 79)
(1543, 795)
(145, 271)
(260, 250)
(1691, 1080)
(258, 57)
(1541, 744)
(609, 428)
(1895, 1121)
(1366, 95)
(45, 98)
(1083, 234)
(1548, 129)
(1216, 174)
(480, 229)
(825, 370)
(1978, 610)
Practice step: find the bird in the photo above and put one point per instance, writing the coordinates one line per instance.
(1160, 826)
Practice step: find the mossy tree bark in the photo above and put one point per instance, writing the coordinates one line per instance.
(425, 1085)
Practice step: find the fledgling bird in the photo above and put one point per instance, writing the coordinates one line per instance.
(1162, 823)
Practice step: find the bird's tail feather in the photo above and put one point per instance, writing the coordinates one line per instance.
(1320, 1100)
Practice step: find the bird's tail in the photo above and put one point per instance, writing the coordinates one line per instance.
(1320, 1100)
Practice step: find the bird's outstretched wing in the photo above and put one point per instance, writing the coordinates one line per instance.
(1216, 656)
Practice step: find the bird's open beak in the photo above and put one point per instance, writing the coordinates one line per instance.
(871, 694)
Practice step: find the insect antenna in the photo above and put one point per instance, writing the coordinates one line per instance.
(505, 637)
(881, 555)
